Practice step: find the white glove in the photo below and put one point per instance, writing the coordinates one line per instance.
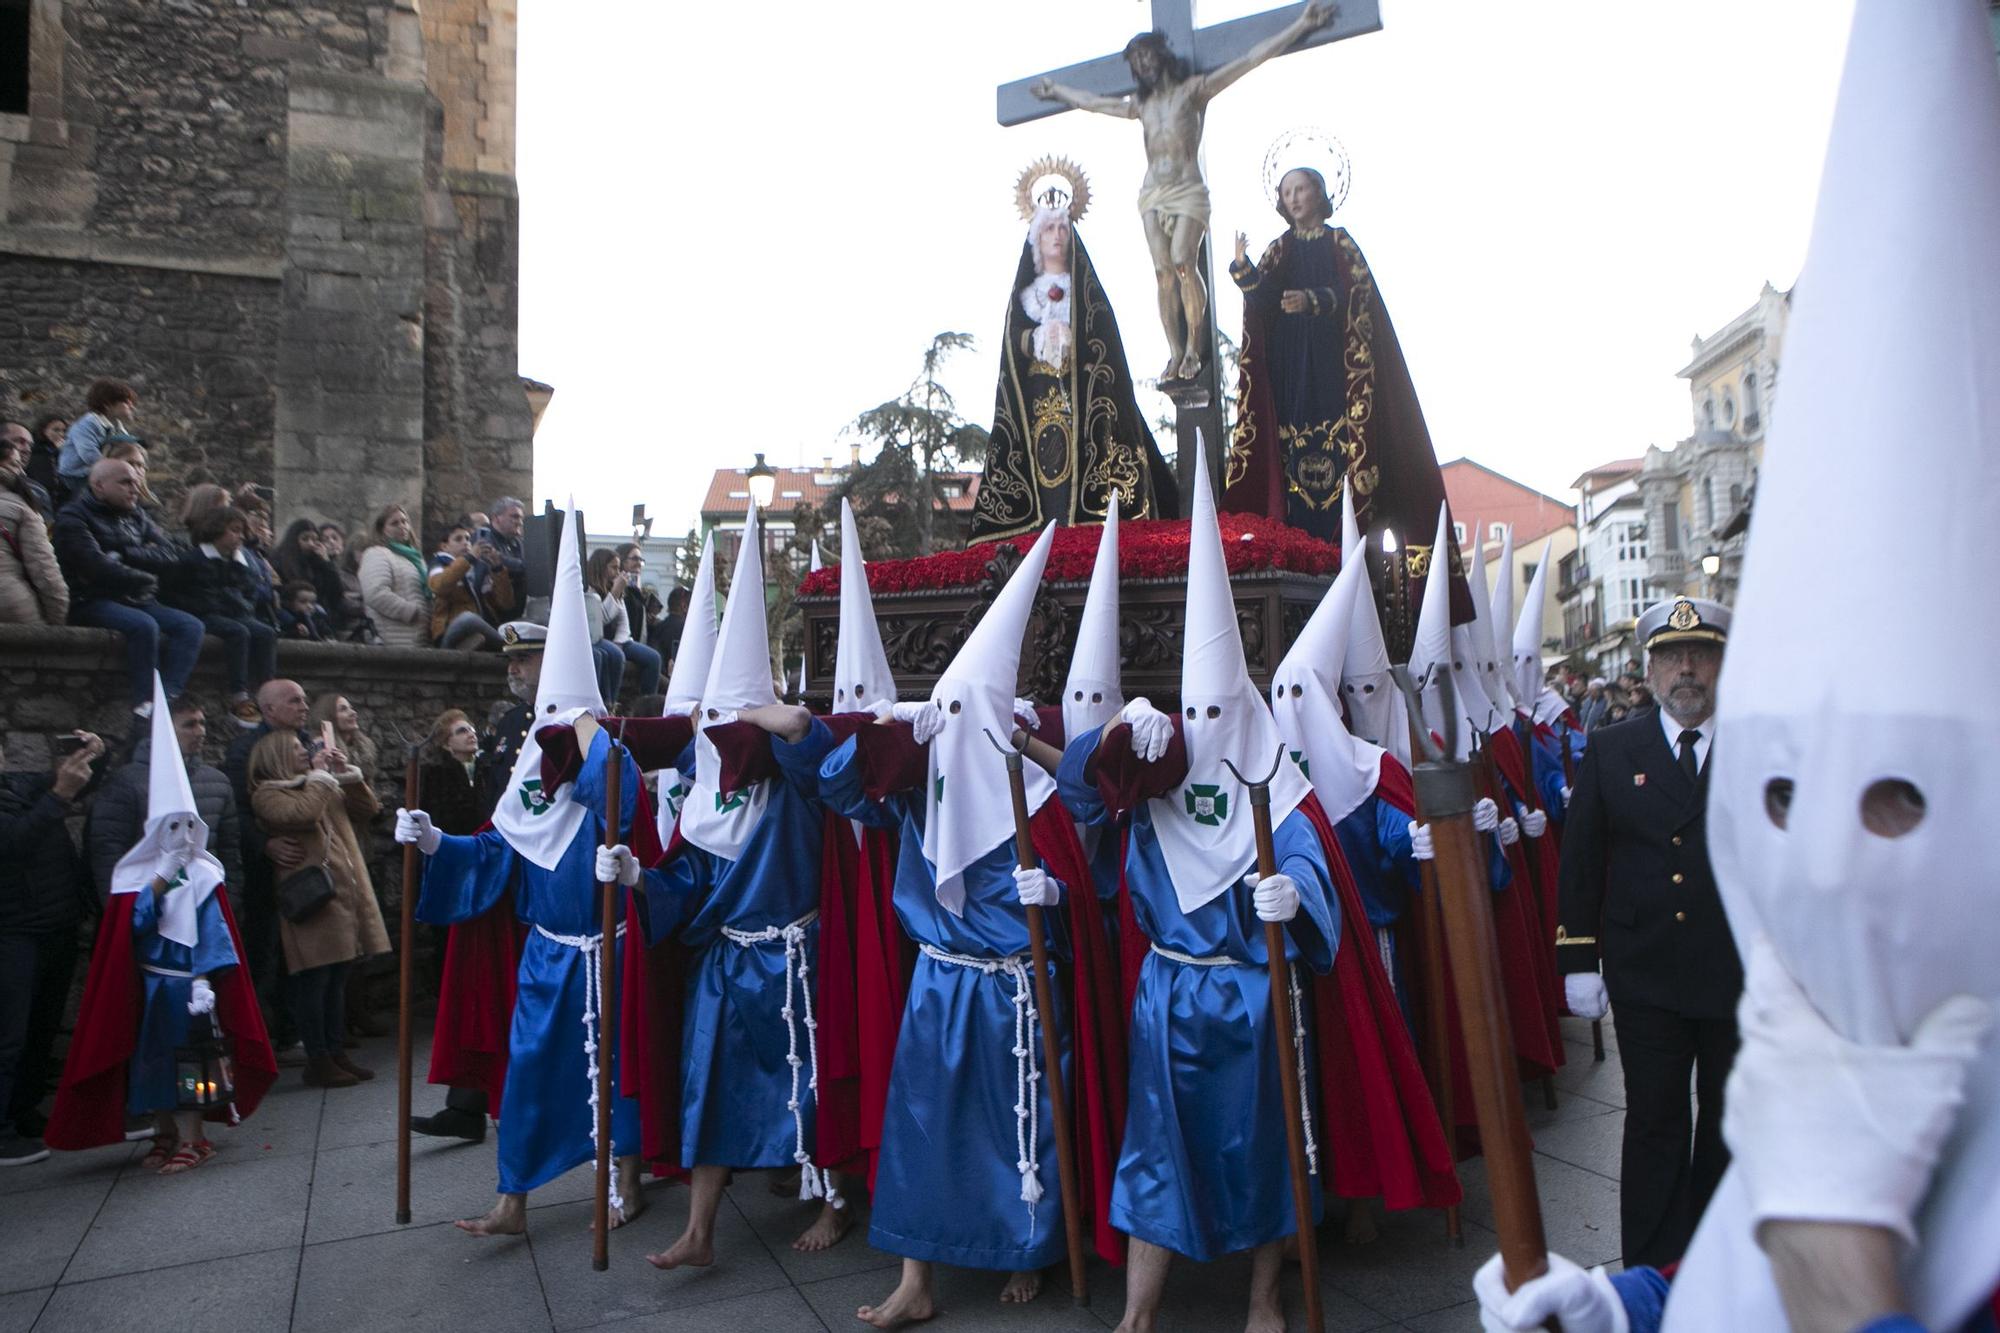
(170, 864)
(1037, 887)
(415, 826)
(1276, 897)
(1579, 1301)
(1151, 729)
(883, 709)
(1025, 714)
(1485, 815)
(1584, 993)
(1510, 832)
(1420, 841)
(1534, 823)
(1565, 796)
(617, 865)
(926, 719)
(1801, 1096)
(680, 708)
(201, 997)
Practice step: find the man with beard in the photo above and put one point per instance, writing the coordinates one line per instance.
(1638, 896)
(1170, 105)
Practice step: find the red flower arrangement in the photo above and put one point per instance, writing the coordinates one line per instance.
(1147, 549)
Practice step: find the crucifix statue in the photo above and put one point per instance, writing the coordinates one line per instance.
(1165, 79)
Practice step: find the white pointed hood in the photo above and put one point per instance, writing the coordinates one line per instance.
(697, 645)
(1375, 709)
(1500, 623)
(1204, 826)
(172, 824)
(1889, 423)
(1529, 682)
(1479, 634)
(540, 825)
(818, 561)
(739, 677)
(1434, 654)
(967, 809)
(1093, 693)
(1305, 701)
(861, 677)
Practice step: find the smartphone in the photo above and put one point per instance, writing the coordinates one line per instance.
(65, 746)
(326, 735)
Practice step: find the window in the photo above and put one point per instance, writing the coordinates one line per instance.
(1496, 532)
(951, 490)
(1749, 397)
(1631, 539)
(1708, 413)
(1708, 504)
(1670, 519)
(1735, 497)
(1458, 533)
(14, 57)
(1728, 411)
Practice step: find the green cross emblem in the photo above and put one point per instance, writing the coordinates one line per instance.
(734, 801)
(1305, 764)
(938, 797)
(532, 798)
(1208, 803)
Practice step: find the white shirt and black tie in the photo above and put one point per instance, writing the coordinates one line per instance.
(1689, 744)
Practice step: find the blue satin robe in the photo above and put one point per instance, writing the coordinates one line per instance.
(164, 1020)
(1203, 1170)
(1375, 839)
(545, 1115)
(736, 1083)
(947, 1188)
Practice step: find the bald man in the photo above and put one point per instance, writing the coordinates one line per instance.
(113, 556)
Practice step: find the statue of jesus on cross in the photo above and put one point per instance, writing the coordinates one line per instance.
(1170, 102)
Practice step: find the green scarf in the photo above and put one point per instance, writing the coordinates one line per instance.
(411, 554)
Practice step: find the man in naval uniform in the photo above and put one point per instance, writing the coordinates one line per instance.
(1641, 929)
(465, 1108)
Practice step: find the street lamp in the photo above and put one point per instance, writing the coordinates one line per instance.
(763, 483)
(1711, 568)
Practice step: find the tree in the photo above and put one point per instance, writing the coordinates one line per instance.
(921, 434)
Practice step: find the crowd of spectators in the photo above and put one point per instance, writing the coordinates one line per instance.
(84, 541)
(1599, 701)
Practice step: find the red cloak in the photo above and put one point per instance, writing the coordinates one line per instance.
(90, 1101)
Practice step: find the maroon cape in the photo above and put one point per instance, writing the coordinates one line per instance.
(1523, 914)
(1381, 1124)
(90, 1101)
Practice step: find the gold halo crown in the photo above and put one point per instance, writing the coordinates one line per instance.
(1309, 147)
(1077, 197)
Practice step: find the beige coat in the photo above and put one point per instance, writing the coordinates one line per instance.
(32, 591)
(316, 809)
(393, 592)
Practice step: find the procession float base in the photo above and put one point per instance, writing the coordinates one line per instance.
(926, 607)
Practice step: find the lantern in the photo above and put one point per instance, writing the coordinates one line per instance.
(204, 1073)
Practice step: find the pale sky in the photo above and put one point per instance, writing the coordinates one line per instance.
(741, 226)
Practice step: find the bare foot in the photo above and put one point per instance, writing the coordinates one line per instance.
(1172, 371)
(689, 1251)
(909, 1303)
(508, 1218)
(1021, 1287)
(1190, 367)
(1133, 1323)
(1265, 1318)
(826, 1230)
(631, 1188)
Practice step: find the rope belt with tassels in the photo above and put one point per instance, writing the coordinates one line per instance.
(814, 1182)
(592, 949)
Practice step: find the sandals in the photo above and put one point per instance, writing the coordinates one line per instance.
(187, 1157)
(158, 1155)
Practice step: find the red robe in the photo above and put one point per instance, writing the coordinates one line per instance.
(90, 1101)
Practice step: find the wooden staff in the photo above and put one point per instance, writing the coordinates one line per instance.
(1287, 1045)
(1038, 949)
(600, 1244)
(1437, 1014)
(405, 969)
(1446, 795)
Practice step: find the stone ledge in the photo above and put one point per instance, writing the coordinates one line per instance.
(40, 647)
(52, 243)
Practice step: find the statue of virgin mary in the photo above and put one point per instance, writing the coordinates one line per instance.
(1066, 429)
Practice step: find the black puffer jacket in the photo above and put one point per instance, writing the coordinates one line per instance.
(42, 883)
(217, 585)
(112, 555)
(118, 817)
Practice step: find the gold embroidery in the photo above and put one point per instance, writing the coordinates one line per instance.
(1309, 234)
(1053, 445)
(1684, 616)
(1564, 937)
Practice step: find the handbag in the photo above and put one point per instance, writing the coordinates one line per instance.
(304, 892)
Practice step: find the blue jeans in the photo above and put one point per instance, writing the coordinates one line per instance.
(156, 637)
(250, 647)
(639, 655)
(610, 671)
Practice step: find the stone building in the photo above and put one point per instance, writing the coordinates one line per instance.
(1697, 494)
(1601, 584)
(292, 226)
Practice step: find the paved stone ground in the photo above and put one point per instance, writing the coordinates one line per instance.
(289, 1228)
